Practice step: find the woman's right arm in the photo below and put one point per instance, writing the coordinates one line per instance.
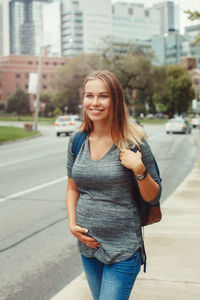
(72, 197)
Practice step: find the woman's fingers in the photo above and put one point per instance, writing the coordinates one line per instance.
(81, 234)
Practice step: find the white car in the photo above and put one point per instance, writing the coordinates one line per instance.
(67, 124)
(178, 125)
(195, 122)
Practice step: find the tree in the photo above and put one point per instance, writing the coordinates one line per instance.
(18, 102)
(67, 97)
(178, 91)
(47, 98)
(68, 80)
(194, 15)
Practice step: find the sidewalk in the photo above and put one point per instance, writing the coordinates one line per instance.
(173, 250)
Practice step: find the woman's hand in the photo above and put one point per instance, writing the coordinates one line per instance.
(80, 234)
(132, 160)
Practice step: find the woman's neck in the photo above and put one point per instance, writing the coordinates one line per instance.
(101, 129)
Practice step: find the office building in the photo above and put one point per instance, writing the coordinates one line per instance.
(52, 28)
(167, 48)
(97, 24)
(167, 14)
(26, 26)
(132, 22)
(193, 49)
(4, 28)
(71, 28)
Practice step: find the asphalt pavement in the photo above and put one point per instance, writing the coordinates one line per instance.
(173, 266)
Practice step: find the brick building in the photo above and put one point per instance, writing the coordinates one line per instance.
(188, 63)
(195, 77)
(15, 70)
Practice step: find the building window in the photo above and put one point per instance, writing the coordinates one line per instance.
(30, 62)
(26, 86)
(44, 76)
(146, 12)
(113, 9)
(18, 75)
(46, 63)
(44, 87)
(196, 81)
(55, 63)
(27, 75)
(62, 63)
(130, 11)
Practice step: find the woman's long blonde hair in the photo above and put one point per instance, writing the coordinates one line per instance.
(123, 131)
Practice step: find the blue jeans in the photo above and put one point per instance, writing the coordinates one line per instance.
(114, 281)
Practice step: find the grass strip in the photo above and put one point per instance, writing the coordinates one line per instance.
(12, 118)
(14, 133)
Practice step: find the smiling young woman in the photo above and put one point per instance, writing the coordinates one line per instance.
(102, 212)
(97, 101)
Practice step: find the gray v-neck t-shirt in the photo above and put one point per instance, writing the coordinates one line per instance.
(106, 206)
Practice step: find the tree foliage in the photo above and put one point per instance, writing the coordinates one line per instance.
(178, 92)
(163, 87)
(47, 98)
(18, 103)
(194, 15)
(69, 79)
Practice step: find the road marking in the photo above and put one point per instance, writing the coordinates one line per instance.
(28, 158)
(154, 137)
(43, 143)
(38, 187)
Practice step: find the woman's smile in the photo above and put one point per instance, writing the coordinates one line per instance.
(97, 100)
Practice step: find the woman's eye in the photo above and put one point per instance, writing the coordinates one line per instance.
(88, 96)
(104, 96)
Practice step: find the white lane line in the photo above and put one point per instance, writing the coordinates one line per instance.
(38, 145)
(38, 187)
(28, 158)
(155, 136)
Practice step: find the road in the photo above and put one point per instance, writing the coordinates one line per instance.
(38, 255)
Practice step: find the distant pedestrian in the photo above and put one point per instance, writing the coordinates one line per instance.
(102, 211)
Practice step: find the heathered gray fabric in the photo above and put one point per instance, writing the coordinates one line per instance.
(106, 206)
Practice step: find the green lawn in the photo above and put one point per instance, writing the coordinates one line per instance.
(14, 133)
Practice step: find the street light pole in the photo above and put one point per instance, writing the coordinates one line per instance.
(37, 101)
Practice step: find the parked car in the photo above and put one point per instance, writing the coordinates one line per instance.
(67, 124)
(195, 122)
(178, 126)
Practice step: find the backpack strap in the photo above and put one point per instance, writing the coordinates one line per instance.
(78, 141)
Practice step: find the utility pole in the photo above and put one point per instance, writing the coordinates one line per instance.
(37, 101)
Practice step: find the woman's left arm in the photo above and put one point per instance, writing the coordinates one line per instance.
(150, 188)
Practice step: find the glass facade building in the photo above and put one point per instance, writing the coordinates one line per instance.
(71, 28)
(170, 47)
(4, 28)
(132, 22)
(26, 26)
(167, 14)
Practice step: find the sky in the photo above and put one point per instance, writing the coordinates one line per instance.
(184, 5)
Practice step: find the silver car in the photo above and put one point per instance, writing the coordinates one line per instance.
(67, 124)
(178, 126)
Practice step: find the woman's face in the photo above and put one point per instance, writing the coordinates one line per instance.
(97, 100)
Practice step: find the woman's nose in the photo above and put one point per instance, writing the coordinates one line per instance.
(95, 100)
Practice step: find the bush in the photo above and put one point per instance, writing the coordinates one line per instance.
(18, 103)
